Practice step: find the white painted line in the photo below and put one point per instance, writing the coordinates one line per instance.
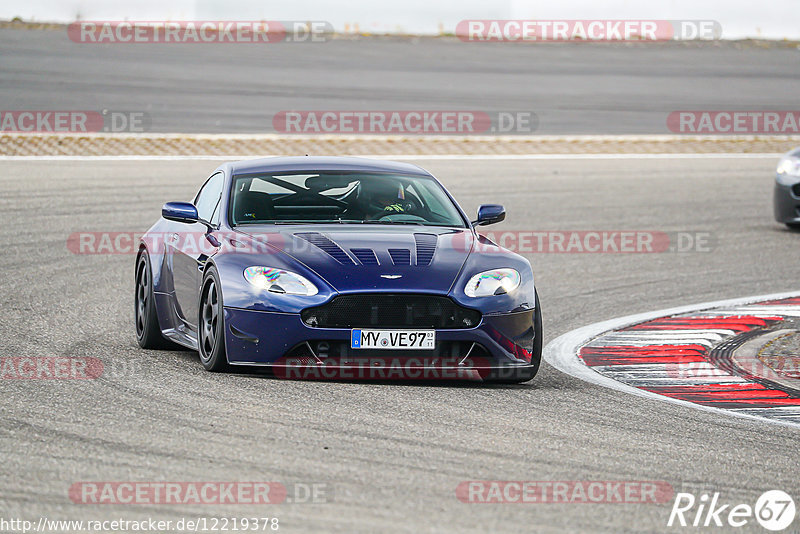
(562, 352)
(666, 155)
(777, 411)
(125, 158)
(421, 157)
(442, 138)
(764, 311)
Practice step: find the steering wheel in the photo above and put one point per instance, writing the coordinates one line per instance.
(408, 206)
(402, 217)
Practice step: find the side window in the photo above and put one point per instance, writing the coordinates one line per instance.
(215, 217)
(208, 198)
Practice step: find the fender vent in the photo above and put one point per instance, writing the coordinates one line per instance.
(365, 256)
(426, 247)
(327, 246)
(400, 256)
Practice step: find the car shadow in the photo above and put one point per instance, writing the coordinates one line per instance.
(268, 374)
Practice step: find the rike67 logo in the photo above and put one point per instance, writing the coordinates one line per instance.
(774, 510)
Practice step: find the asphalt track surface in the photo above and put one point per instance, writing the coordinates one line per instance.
(574, 88)
(391, 455)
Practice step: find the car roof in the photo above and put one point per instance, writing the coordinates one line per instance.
(322, 164)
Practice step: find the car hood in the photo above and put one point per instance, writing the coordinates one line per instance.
(374, 258)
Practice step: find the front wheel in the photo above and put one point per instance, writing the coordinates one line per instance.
(211, 324)
(523, 375)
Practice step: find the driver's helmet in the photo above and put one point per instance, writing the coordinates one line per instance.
(387, 195)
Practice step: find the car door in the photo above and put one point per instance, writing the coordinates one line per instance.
(190, 249)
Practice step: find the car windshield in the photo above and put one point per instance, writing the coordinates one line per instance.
(354, 198)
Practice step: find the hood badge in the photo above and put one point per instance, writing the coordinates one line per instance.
(391, 276)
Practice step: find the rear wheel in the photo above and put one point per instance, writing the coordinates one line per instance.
(793, 226)
(148, 333)
(211, 324)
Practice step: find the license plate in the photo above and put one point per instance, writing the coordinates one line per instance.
(393, 339)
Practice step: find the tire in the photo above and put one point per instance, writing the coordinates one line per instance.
(523, 375)
(793, 226)
(211, 324)
(148, 332)
(538, 341)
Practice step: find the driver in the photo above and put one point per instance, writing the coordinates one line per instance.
(384, 197)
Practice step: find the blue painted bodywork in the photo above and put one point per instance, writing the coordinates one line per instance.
(262, 327)
(184, 212)
(490, 214)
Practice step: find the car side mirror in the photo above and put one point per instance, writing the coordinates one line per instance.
(184, 212)
(490, 214)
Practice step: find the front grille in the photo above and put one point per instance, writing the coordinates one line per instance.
(391, 311)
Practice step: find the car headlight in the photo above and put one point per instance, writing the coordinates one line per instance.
(279, 281)
(494, 282)
(788, 169)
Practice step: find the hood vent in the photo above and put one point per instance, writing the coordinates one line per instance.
(327, 246)
(400, 256)
(426, 247)
(365, 255)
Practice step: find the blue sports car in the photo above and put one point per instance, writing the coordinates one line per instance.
(338, 268)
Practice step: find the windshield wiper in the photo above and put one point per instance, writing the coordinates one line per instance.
(413, 223)
(334, 221)
(337, 221)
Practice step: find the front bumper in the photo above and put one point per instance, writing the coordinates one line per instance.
(500, 346)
